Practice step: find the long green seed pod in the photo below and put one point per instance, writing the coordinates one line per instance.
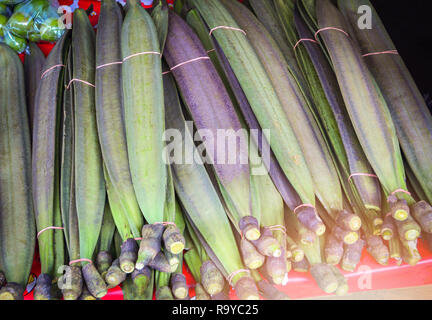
(17, 224)
(109, 111)
(45, 143)
(73, 277)
(204, 103)
(60, 249)
(67, 184)
(290, 196)
(365, 104)
(144, 110)
(317, 156)
(261, 95)
(238, 97)
(89, 179)
(336, 122)
(410, 114)
(328, 130)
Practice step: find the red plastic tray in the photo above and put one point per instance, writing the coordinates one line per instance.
(369, 274)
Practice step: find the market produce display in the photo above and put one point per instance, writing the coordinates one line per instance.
(243, 139)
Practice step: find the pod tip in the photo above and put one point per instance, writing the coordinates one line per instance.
(128, 266)
(176, 247)
(412, 235)
(297, 255)
(330, 288)
(400, 215)
(181, 293)
(252, 233)
(351, 238)
(321, 229)
(277, 253)
(355, 223)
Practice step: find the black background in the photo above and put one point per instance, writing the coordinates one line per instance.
(409, 24)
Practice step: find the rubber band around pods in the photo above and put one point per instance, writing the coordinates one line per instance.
(48, 228)
(80, 260)
(50, 69)
(79, 80)
(226, 28)
(362, 175)
(108, 64)
(304, 39)
(141, 53)
(303, 205)
(330, 28)
(233, 274)
(189, 61)
(211, 50)
(381, 52)
(128, 57)
(400, 191)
